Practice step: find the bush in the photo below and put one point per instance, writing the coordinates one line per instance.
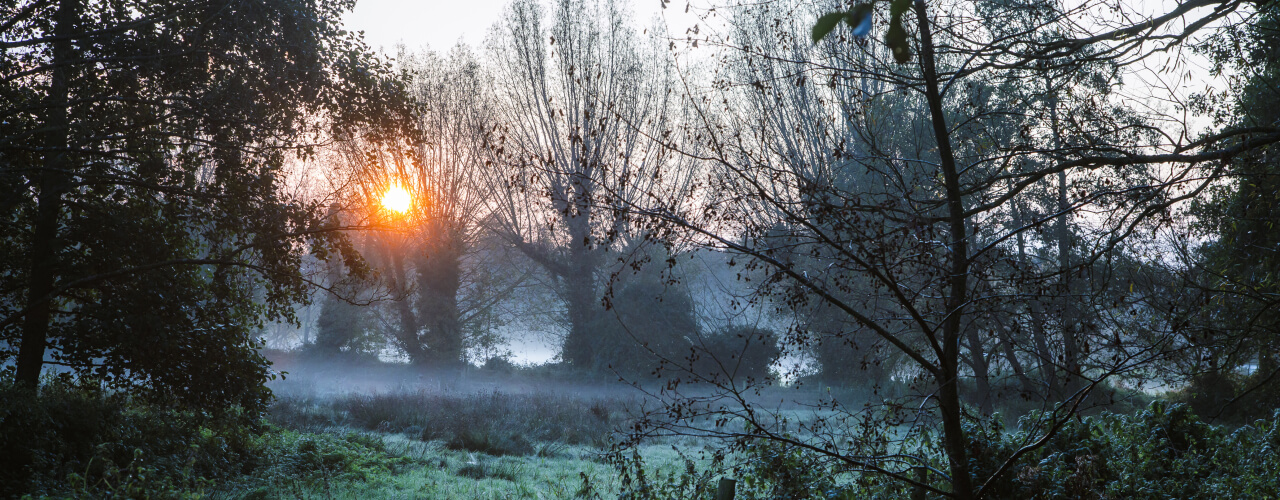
(494, 423)
(647, 322)
(490, 441)
(498, 364)
(737, 352)
(290, 461)
(1232, 397)
(82, 441)
(1163, 451)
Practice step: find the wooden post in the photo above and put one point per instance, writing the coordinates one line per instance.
(727, 489)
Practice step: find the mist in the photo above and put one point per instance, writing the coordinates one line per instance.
(596, 249)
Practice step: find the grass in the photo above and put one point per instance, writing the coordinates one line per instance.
(495, 423)
(433, 471)
(439, 445)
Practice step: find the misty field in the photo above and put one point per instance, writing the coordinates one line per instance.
(775, 249)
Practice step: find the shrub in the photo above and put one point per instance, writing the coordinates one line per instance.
(1163, 451)
(290, 464)
(1232, 397)
(498, 364)
(475, 422)
(738, 352)
(647, 322)
(82, 441)
(490, 441)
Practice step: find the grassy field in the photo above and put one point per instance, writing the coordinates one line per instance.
(371, 436)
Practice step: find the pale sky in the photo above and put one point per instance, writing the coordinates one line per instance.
(440, 24)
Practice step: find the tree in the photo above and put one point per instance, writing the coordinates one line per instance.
(577, 122)
(143, 148)
(435, 256)
(340, 327)
(1236, 274)
(931, 229)
(649, 320)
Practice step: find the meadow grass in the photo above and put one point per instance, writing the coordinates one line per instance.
(423, 444)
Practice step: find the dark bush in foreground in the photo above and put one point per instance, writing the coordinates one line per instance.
(78, 441)
(1164, 451)
(1161, 452)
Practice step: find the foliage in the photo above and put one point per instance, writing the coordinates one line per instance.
(647, 323)
(495, 423)
(693, 479)
(1237, 328)
(341, 327)
(738, 352)
(848, 355)
(78, 440)
(288, 463)
(146, 231)
(1163, 451)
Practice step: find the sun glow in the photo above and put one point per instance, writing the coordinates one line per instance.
(397, 199)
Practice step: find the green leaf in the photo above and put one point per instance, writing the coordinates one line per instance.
(825, 24)
(896, 39)
(899, 7)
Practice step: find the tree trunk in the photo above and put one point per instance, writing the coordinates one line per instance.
(408, 333)
(1068, 313)
(439, 279)
(579, 294)
(1048, 366)
(52, 185)
(1006, 344)
(949, 390)
(1048, 370)
(981, 371)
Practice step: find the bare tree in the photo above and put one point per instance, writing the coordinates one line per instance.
(579, 114)
(920, 207)
(427, 254)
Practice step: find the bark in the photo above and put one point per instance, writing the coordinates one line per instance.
(949, 390)
(52, 185)
(579, 293)
(439, 279)
(407, 336)
(981, 371)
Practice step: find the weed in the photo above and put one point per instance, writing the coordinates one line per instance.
(495, 423)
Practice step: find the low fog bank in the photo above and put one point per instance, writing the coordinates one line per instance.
(307, 376)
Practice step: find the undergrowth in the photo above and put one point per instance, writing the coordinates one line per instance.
(492, 423)
(1163, 451)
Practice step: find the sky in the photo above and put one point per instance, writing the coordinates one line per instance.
(440, 24)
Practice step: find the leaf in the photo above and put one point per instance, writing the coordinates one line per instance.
(860, 19)
(896, 39)
(899, 7)
(825, 24)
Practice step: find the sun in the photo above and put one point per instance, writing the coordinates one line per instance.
(397, 199)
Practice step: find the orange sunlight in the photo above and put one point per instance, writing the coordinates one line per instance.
(397, 199)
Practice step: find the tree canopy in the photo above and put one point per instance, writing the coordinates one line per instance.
(144, 145)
